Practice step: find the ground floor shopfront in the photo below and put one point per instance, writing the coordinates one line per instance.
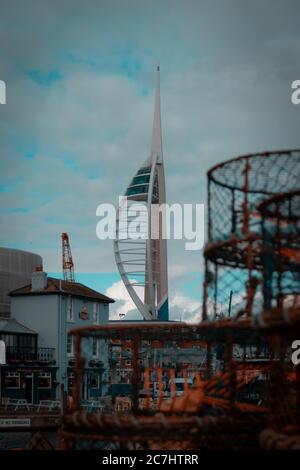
(92, 386)
(33, 383)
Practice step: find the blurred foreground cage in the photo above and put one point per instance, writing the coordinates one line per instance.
(226, 405)
(281, 252)
(233, 255)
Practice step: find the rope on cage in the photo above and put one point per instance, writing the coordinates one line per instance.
(79, 363)
(280, 413)
(185, 383)
(292, 254)
(297, 390)
(172, 382)
(193, 398)
(269, 439)
(180, 403)
(220, 387)
(147, 388)
(160, 387)
(208, 359)
(286, 414)
(279, 263)
(291, 314)
(286, 391)
(294, 309)
(122, 426)
(198, 380)
(205, 288)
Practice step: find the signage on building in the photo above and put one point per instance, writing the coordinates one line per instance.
(84, 314)
(17, 422)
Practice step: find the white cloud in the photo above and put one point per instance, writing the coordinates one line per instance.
(176, 271)
(185, 308)
(124, 305)
(182, 307)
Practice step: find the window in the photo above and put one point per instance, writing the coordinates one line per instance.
(141, 189)
(96, 313)
(12, 380)
(27, 342)
(44, 380)
(11, 341)
(143, 171)
(70, 345)
(95, 381)
(95, 347)
(70, 309)
(140, 180)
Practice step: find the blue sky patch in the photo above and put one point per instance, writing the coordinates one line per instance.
(44, 79)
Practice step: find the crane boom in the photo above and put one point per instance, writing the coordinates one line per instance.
(67, 260)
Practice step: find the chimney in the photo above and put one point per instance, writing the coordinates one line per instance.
(38, 279)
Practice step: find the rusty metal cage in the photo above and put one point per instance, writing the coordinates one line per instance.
(226, 406)
(281, 255)
(233, 255)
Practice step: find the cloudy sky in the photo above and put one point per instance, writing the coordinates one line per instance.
(77, 123)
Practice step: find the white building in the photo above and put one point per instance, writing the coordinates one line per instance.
(52, 307)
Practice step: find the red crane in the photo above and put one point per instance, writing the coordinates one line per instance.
(67, 260)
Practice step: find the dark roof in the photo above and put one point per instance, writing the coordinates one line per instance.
(58, 286)
(10, 325)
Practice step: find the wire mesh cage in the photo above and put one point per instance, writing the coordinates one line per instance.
(233, 255)
(281, 252)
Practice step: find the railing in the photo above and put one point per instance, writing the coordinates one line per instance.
(46, 355)
(29, 354)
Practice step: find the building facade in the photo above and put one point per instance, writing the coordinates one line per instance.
(29, 371)
(52, 307)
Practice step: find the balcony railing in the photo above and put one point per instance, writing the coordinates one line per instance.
(46, 355)
(29, 354)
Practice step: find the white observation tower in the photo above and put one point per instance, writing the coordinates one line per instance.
(142, 262)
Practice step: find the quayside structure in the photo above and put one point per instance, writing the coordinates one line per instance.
(142, 258)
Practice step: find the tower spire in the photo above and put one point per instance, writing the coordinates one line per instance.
(156, 145)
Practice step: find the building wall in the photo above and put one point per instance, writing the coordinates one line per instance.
(78, 305)
(16, 267)
(40, 313)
